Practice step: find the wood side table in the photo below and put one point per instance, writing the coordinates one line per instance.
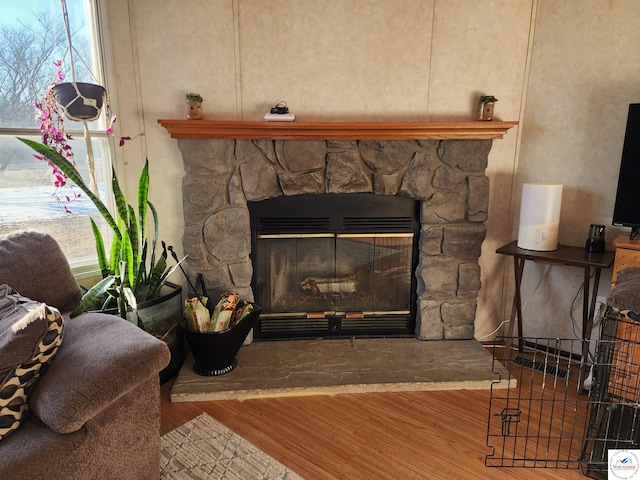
(627, 254)
(563, 256)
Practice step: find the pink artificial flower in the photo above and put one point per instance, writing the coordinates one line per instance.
(59, 74)
(112, 122)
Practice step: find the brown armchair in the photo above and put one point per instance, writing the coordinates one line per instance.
(95, 412)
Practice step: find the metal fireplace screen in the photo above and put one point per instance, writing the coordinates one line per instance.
(566, 413)
(335, 272)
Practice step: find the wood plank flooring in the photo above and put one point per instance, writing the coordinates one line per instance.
(413, 435)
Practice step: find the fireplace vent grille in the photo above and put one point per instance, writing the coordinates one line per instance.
(377, 224)
(333, 325)
(272, 225)
(294, 326)
(388, 324)
(289, 225)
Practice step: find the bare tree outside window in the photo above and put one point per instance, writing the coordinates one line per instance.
(27, 56)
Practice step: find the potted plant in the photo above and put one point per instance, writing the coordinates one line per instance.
(132, 276)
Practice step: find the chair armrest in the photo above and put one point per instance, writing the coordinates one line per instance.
(102, 358)
(625, 295)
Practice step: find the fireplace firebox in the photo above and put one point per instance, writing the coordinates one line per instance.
(335, 265)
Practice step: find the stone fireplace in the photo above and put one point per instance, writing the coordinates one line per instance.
(223, 175)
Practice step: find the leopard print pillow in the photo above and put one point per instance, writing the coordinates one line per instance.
(30, 334)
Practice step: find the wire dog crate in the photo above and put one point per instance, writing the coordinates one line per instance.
(614, 420)
(542, 422)
(566, 413)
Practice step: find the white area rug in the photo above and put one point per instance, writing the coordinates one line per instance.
(203, 448)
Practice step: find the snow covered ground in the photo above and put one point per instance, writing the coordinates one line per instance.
(35, 204)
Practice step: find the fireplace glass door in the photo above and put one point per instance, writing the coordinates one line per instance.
(351, 283)
(330, 265)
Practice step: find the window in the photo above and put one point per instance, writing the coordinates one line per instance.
(32, 39)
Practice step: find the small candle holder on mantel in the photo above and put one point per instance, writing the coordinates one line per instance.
(487, 102)
(194, 106)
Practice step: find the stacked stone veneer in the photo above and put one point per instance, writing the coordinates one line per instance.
(447, 176)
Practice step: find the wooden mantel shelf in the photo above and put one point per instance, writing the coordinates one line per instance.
(336, 130)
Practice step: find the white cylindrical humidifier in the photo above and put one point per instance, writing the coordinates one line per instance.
(539, 217)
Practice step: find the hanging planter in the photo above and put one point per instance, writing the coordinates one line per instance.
(80, 101)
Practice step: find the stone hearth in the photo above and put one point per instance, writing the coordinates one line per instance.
(331, 367)
(447, 176)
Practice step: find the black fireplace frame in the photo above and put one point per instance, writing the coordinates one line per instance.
(336, 213)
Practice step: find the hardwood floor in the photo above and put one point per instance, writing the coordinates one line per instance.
(416, 435)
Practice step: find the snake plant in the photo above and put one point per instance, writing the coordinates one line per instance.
(128, 276)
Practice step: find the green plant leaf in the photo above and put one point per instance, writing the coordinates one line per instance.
(127, 273)
(72, 173)
(142, 271)
(115, 253)
(143, 198)
(121, 202)
(102, 256)
(156, 234)
(156, 274)
(131, 300)
(134, 237)
(94, 297)
(122, 304)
